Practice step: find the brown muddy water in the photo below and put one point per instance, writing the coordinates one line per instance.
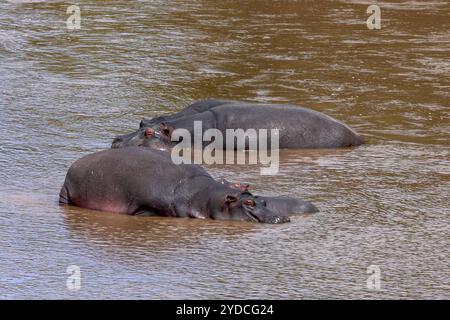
(385, 205)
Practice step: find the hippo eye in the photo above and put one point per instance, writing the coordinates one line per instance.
(249, 202)
(149, 132)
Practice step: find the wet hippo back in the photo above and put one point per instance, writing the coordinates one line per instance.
(140, 181)
(298, 127)
(117, 180)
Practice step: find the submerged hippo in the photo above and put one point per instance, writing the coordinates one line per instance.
(141, 181)
(282, 205)
(298, 127)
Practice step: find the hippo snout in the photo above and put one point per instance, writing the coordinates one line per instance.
(308, 207)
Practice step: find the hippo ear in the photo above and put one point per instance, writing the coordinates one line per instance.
(229, 199)
(166, 130)
(242, 187)
(145, 123)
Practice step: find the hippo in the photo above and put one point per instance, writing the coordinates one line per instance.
(194, 108)
(299, 127)
(282, 205)
(145, 182)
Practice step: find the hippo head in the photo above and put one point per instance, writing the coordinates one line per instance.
(241, 206)
(235, 185)
(281, 205)
(156, 136)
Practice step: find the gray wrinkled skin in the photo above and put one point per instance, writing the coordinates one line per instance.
(282, 205)
(299, 127)
(141, 181)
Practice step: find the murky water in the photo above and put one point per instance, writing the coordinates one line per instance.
(64, 94)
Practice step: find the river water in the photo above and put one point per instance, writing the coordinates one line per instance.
(384, 206)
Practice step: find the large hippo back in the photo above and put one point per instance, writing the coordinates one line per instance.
(112, 179)
(299, 127)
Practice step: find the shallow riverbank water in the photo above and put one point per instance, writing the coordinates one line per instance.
(64, 94)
